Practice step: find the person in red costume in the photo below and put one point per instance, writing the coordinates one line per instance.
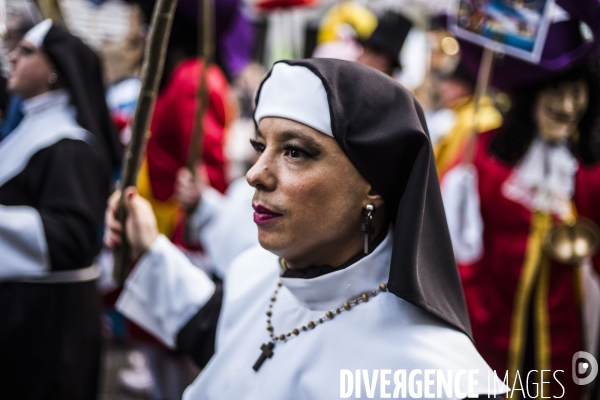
(528, 312)
(169, 143)
(172, 124)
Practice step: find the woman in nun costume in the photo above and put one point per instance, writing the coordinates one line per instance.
(355, 270)
(54, 182)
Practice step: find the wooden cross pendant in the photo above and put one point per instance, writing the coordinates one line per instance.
(267, 352)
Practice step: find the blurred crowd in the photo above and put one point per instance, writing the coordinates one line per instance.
(517, 159)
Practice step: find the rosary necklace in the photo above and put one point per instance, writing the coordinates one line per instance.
(267, 349)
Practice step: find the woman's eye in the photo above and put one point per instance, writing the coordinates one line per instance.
(258, 146)
(294, 153)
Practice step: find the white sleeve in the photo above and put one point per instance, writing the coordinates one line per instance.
(461, 202)
(211, 204)
(22, 243)
(164, 291)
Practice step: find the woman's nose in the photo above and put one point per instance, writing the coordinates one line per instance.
(261, 175)
(13, 56)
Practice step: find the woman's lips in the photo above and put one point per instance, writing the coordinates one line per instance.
(263, 215)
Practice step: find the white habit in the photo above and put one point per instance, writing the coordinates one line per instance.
(384, 333)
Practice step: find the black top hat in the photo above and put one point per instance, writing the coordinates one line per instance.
(389, 36)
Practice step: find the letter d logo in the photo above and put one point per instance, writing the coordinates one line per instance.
(582, 363)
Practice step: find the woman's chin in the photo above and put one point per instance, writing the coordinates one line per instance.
(275, 242)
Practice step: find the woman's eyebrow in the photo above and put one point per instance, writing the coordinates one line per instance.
(293, 134)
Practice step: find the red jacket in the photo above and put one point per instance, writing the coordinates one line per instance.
(172, 124)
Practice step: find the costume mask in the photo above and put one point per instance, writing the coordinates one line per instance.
(558, 109)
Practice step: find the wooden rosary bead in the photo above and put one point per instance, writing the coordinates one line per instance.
(312, 324)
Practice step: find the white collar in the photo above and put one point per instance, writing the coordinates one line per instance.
(45, 101)
(331, 290)
(48, 120)
(544, 179)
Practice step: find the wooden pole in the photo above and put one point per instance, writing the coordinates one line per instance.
(483, 79)
(205, 39)
(152, 68)
(53, 10)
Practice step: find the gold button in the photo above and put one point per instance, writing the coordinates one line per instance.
(347, 305)
(383, 287)
(364, 297)
(295, 331)
(311, 325)
(329, 314)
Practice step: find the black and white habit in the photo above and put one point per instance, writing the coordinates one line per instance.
(54, 182)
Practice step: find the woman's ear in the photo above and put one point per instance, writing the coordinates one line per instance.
(373, 198)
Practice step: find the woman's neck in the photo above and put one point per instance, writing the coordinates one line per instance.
(339, 253)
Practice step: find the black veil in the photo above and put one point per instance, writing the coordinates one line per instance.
(81, 68)
(380, 126)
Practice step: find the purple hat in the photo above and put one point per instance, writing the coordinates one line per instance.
(564, 49)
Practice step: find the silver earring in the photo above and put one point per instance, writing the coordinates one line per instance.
(367, 226)
(52, 78)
